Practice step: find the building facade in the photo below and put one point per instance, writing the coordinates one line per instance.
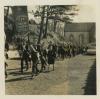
(80, 33)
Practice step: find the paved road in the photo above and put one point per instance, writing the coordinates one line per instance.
(70, 77)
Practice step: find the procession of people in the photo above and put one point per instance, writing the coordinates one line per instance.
(32, 55)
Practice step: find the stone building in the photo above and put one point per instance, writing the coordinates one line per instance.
(80, 33)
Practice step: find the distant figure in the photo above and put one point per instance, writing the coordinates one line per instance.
(73, 51)
(62, 52)
(69, 51)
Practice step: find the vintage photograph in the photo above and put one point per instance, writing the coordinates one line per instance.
(50, 50)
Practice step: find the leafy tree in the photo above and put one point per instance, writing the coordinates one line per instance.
(56, 13)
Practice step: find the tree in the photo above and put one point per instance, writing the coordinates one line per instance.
(9, 23)
(56, 13)
(59, 13)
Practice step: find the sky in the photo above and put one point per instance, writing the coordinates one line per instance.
(86, 13)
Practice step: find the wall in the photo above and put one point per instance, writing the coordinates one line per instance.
(75, 37)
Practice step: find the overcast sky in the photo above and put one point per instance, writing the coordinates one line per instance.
(86, 13)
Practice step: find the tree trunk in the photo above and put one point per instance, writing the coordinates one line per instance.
(55, 23)
(41, 25)
(6, 21)
(46, 26)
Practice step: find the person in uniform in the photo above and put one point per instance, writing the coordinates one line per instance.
(34, 59)
(24, 58)
(43, 61)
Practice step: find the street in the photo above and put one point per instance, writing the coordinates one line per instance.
(70, 77)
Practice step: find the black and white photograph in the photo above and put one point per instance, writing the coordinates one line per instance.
(50, 50)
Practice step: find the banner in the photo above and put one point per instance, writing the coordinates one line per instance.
(21, 19)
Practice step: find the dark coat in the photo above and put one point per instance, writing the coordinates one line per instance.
(34, 57)
(51, 57)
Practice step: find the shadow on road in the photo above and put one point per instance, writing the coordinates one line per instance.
(14, 58)
(90, 87)
(19, 79)
(13, 69)
(18, 73)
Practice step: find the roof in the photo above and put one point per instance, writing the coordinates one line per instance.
(80, 27)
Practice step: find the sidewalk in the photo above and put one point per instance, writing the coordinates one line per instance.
(13, 54)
